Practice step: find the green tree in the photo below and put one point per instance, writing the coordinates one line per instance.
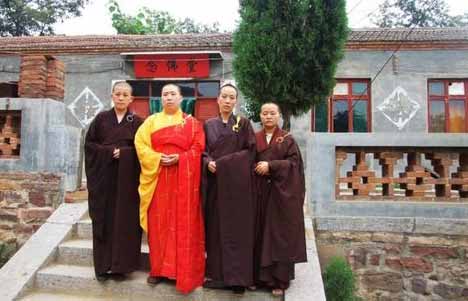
(150, 21)
(339, 281)
(418, 13)
(287, 51)
(35, 17)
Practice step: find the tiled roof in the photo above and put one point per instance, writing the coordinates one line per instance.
(116, 43)
(121, 43)
(410, 35)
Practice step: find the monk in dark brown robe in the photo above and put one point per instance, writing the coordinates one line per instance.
(112, 172)
(228, 199)
(280, 190)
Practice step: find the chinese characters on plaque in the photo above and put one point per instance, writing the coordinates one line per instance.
(172, 66)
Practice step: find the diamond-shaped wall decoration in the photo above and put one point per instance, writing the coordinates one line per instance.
(85, 107)
(399, 108)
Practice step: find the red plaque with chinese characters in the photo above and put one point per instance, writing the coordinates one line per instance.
(172, 65)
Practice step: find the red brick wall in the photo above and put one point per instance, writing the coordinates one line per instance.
(399, 266)
(26, 201)
(41, 77)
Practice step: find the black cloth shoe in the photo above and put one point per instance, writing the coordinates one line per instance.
(214, 284)
(102, 277)
(118, 276)
(153, 280)
(238, 289)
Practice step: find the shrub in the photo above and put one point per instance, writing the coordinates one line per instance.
(6, 251)
(339, 281)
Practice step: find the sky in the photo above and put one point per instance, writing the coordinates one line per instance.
(96, 19)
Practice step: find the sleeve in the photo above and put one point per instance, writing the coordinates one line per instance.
(291, 160)
(248, 147)
(149, 163)
(206, 158)
(97, 155)
(97, 160)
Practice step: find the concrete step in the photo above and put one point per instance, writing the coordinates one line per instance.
(54, 296)
(84, 230)
(80, 252)
(72, 279)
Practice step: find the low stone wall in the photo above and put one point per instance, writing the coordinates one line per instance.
(401, 266)
(26, 201)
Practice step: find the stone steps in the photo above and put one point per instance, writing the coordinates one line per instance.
(71, 277)
(84, 230)
(65, 270)
(54, 296)
(74, 280)
(80, 252)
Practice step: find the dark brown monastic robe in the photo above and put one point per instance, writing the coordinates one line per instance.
(113, 192)
(280, 238)
(228, 201)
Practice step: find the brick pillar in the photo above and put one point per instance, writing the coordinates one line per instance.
(33, 76)
(340, 158)
(460, 178)
(388, 160)
(55, 79)
(363, 179)
(414, 180)
(442, 163)
(41, 77)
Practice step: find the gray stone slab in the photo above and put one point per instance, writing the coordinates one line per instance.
(441, 226)
(308, 284)
(354, 223)
(18, 273)
(70, 216)
(54, 296)
(74, 279)
(385, 139)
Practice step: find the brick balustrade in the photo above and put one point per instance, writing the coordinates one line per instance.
(426, 176)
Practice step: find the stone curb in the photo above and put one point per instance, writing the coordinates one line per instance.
(392, 224)
(17, 275)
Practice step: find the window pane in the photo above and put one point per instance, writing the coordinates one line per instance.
(156, 87)
(437, 117)
(321, 117)
(457, 116)
(359, 88)
(208, 89)
(340, 116)
(341, 89)
(140, 87)
(436, 88)
(187, 89)
(456, 88)
(360, 116)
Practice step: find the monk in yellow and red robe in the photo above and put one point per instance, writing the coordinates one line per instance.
(169, 146)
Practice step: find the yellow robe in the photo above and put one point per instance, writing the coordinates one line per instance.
(150, 159)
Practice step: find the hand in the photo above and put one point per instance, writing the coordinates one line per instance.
(116, 153)
(168, 160)
(212, 166)
(262, 168)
